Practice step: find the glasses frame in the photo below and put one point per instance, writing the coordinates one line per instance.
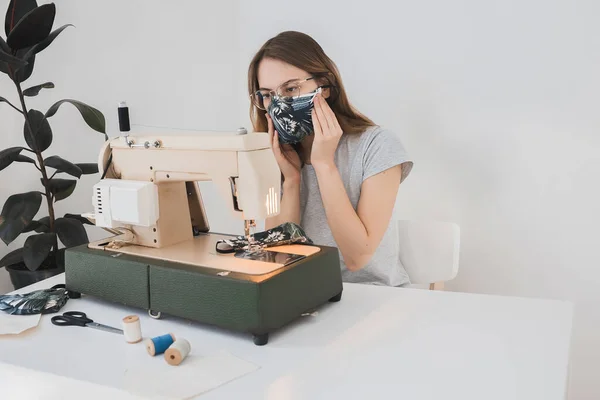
(274, 93)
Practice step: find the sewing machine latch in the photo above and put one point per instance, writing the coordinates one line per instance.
(234, 193)
(249, 224)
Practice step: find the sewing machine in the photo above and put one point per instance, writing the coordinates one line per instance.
(161, 255)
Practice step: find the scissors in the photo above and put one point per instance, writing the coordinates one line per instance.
(78, 318)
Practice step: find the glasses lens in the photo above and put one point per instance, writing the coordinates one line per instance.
(286, 92)
(261, 99)
(289, 90)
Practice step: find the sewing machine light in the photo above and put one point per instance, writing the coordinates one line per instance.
(272, 202)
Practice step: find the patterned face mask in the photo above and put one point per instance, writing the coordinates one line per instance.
(292, 118)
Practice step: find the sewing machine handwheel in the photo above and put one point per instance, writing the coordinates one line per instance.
(262, 339)
(154, 314)
(336, 298)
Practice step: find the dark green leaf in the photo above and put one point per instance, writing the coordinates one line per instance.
(79, 218)
(12, 258)
(45, 43)
(41, 131)
(17, 213)
(3, 46)
(88, 168)
(37, 248)
(17, 9)
(12, 60)
(71, 232)
(25, 72)
(20, 70)
(8, 156)
(62, 188)
(35, 90)
(35, 226)
(44, 225)
(34, 27)
(22, 158)
(62, 165)
(3, 64)
(94, 118)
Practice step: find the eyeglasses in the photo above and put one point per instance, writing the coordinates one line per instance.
(287, 92)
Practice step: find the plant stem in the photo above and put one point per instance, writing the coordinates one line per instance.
(10, 104)
(42, 167)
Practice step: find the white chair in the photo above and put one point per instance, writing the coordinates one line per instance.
(429, 251)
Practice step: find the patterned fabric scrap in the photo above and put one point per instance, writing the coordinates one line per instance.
(38, 302)
(287, 233)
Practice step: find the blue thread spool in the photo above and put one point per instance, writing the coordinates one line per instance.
(159, 344)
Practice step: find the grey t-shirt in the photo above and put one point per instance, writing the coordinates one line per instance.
(358, 157)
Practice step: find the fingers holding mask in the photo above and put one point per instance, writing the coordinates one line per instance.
(327, 115)
(332, 121)
(270, 125)
(274, 135)
(316, 124)
(322, 119)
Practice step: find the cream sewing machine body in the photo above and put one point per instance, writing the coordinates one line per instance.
(241, 166)
(161, 241)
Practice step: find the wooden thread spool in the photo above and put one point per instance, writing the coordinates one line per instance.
(159, 344)
(178, 352)
(132, 330)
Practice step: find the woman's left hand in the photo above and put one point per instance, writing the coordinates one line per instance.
(327, 133)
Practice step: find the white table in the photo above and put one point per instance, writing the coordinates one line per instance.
(376, 343)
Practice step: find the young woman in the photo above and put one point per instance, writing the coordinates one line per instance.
(341, 172)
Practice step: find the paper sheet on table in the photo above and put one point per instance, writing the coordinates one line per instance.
(196, 375)
(15, 324)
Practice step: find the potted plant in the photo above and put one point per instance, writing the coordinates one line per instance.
(29, 31)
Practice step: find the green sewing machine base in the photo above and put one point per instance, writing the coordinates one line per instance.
(256, 304)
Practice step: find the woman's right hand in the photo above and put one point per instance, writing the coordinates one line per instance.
(287, 157)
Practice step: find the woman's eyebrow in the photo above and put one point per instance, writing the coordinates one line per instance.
(288, 81)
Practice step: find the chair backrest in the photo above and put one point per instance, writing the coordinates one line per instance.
(429, 250)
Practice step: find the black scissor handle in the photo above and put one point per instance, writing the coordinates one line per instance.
(76, 318)
(76, 314)
(67, 321)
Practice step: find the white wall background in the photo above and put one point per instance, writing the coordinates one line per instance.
(496, 101)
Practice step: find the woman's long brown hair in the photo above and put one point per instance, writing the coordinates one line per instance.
(302, 51)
